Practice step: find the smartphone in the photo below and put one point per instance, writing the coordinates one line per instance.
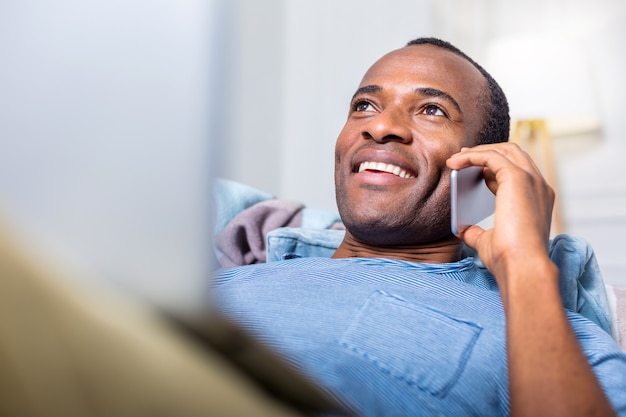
(471, 200)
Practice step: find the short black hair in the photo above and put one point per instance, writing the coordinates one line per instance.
(496, 108)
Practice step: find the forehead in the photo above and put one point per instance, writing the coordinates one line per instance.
(427, 66)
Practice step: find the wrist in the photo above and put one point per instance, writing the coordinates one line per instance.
(531, 282)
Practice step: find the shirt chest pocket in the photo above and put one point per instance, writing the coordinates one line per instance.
(415, 343)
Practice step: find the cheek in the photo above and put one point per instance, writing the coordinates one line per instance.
(344, 134)
(338, 152)
(342, 145)
(439, 153)
(339, 143)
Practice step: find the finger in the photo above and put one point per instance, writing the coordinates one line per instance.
(471, 236)
(477, 154)
(522, 158)
(493, 159)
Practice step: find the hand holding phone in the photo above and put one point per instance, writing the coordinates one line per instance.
(471, 200)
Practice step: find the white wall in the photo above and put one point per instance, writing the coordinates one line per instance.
(303, 61)
(591, 169)
(593, 173)
(253, 137)
(329, 46)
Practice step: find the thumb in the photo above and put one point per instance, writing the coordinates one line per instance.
(471, 236)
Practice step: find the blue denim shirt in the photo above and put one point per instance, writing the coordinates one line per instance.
(392, 338)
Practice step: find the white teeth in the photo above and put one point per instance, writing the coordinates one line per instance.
(381, 166)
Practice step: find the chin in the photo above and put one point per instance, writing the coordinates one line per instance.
(383, 230)
(378, 233)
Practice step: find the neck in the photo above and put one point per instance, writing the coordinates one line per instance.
(443, 251)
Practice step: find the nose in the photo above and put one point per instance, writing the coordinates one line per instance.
(389, 125)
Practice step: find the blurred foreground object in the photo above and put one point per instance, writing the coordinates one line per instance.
(66, 351)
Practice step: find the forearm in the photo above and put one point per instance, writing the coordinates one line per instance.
(548, 371)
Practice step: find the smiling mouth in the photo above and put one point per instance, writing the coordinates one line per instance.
(383, 167)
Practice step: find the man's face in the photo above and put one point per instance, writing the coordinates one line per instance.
(414, 108)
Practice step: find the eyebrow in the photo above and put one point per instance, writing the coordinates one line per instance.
(433, 92)
(425, 91)
(367, 90)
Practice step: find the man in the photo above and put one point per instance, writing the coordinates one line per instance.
(397, 323)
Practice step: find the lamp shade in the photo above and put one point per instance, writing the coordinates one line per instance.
(547, 78)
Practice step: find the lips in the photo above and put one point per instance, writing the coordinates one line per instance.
(384, 167)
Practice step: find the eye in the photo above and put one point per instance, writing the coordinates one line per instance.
(432, 110)
(362, 106)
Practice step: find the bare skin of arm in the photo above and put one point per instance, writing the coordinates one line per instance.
(548, 371)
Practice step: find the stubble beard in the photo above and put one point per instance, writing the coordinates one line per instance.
(386, 226)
